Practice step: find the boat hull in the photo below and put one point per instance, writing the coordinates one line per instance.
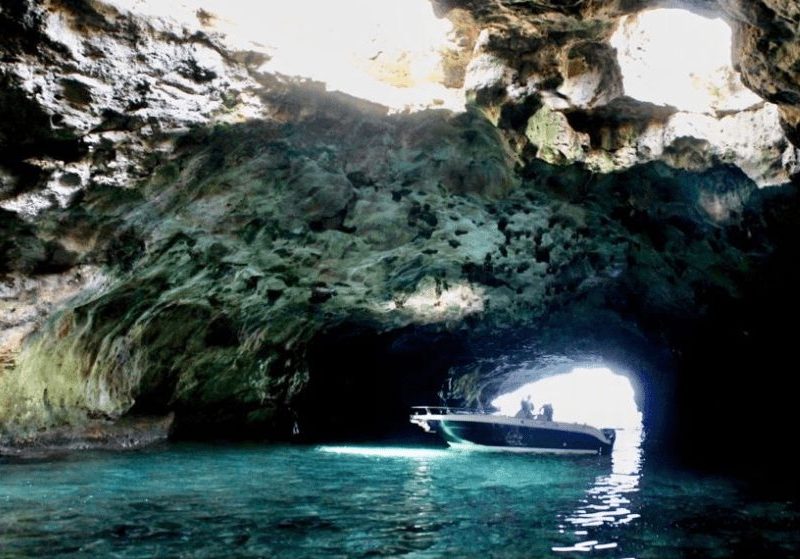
(500, 433)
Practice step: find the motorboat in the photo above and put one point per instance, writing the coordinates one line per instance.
(471, 429)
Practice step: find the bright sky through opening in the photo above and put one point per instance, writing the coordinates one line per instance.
(385, 51)
(595, 396)
(674, 57)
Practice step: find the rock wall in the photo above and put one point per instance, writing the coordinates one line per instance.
(548, 75)
(184, 233)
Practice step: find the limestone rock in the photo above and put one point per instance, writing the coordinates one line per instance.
(555, 140)
(561, 56)
(186, 232)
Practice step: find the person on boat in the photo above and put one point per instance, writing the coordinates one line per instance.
(547, 412)
(526, 408)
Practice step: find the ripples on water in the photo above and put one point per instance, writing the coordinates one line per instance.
(279, 501)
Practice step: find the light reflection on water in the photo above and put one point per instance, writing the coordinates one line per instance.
(608, 500)
(386, 451)
(257, 501)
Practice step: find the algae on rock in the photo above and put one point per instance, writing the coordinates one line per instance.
(259, 237)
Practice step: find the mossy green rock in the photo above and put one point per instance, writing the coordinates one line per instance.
(253, 239)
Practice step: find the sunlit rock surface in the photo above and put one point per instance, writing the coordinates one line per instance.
(613, 94)
(189, 227)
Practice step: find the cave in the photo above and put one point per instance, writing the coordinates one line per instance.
(362, 383)
(281, 229)
(639, 210)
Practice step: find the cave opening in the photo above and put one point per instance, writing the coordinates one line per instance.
(382, 51)
(592, 395)
(681, 59)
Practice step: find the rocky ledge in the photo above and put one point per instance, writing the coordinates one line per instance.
(124, 434)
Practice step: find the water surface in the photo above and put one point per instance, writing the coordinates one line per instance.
(293, 501)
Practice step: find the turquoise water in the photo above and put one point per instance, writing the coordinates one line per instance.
(291, 501)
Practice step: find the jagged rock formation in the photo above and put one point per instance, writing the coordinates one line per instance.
(548, 75)
(184, 233)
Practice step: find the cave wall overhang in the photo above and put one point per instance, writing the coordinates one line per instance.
(235, 216)
(91, 90)
(548, 74)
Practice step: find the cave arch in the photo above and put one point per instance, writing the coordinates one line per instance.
(362, 382)
(556, 348)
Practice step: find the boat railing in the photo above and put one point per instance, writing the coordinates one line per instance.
(440, 410)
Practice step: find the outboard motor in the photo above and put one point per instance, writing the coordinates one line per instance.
(611, 436)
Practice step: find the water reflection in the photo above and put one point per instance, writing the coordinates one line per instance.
(609, 502)
(420, 531)
(386, 452)
(255, 501)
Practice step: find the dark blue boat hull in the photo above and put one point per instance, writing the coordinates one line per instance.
(522, 438)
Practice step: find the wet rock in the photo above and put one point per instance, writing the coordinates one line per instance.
(124, 434)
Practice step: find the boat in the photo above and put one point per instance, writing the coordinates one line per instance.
(470, 429)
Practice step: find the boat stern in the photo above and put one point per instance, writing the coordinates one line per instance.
(611, 437)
